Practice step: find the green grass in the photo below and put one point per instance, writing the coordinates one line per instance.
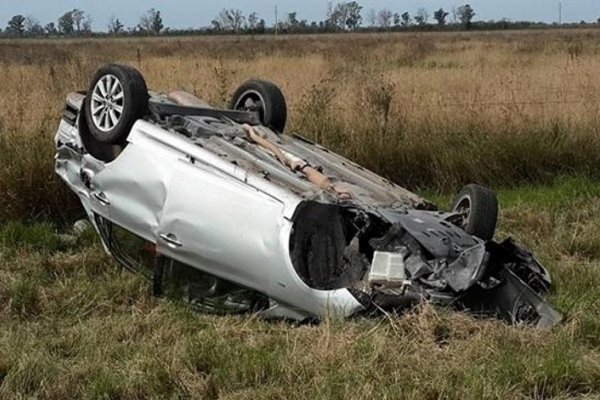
(74, 325)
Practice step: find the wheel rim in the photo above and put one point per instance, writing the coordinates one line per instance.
(463, 208)
(107, 103)
(251, 101)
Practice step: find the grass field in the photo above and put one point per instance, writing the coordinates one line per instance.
(427, 110)
(519, 111)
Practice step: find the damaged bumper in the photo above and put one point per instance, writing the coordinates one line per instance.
(424, 258)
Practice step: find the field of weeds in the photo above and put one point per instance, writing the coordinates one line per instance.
(426, 110)
(519, 111)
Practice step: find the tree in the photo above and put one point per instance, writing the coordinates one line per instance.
(292, 22)
(344, 15)
(405, 19)
(229, 20)
(465, 15)
(145, 23)
(33, 27)
(421, 17)
(16, 25)
(353, 15)
(440, 16)
(66, 23)
(261, 27)
(252, 21)
(50, 29)
(115, 26)
(151, 22)
(86, 26)
(397, 19)
(384, 18)
(157, 23)
(336, 16)
(78, 16)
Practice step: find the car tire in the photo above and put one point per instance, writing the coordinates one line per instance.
(480, 208)
(116, 99)
(265, 98)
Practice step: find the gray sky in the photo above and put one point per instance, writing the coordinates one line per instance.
(196, 13)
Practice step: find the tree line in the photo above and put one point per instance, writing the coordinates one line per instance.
(77, 22)
(340, 17)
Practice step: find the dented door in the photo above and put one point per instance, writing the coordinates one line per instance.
(219, 224)
(133, 187)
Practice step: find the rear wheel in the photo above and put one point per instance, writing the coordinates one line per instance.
(265, 98)
(476, 209)
(116, 99)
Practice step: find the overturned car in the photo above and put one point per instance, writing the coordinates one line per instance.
(220, 208)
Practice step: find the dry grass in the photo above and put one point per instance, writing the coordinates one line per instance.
(427, 110)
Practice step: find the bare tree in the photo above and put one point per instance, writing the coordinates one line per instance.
(86, 25)
(33, 27)
(145, 23)
(384, 18)
(78, 18)
(345, 15)
(252, 21)
(229, 20)
(421, 17)
(115, 26)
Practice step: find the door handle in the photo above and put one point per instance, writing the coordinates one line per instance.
(102, 199)
(86, 175)
(171, 240)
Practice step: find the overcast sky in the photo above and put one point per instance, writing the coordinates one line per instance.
(196, 13)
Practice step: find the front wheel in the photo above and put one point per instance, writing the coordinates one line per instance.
(476, 211)
(116, 99)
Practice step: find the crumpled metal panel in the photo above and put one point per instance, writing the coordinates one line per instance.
(229, 222)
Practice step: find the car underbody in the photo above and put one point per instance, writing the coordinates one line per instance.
(231, 215)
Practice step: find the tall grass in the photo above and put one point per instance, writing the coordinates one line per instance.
(426, 110)
(74, 325)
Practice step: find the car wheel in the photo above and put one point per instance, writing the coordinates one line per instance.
(476, 208)
(266, 99)
(116, 99)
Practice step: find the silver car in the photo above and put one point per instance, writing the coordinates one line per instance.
(221, 209)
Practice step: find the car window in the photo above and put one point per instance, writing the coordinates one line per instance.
(177, 280)
(130, 250)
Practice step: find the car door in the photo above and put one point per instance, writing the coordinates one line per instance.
(131, 190)
(221, 225)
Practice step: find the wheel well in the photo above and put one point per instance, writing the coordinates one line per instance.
(329, 245)
(102, 151)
